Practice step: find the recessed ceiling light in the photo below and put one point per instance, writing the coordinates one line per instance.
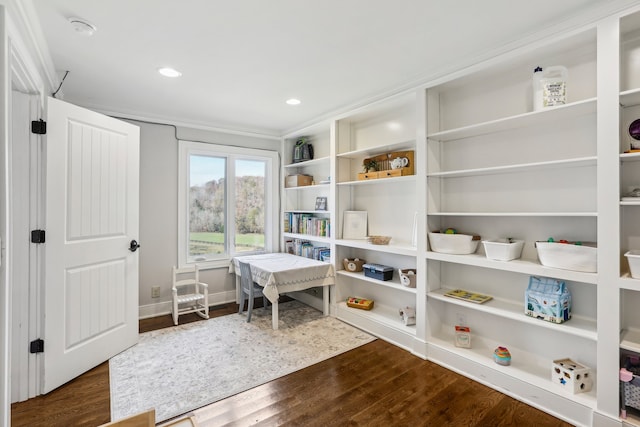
(169, 72)
(82, 26)
(293, 101)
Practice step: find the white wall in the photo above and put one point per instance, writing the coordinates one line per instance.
(159, 213)
(4, 286)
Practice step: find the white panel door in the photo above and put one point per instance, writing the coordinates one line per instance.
(91, 273)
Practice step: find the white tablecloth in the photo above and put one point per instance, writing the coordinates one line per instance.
(280, 272)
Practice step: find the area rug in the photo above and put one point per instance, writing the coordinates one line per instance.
(179, 369)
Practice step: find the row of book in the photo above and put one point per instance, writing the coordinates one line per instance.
(304, 223)
(306, 249)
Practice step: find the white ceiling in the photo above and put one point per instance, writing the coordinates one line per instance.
(241, 59)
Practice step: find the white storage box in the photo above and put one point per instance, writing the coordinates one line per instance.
(634, 263)
(568, 256)
(459, 244)
(503, 249)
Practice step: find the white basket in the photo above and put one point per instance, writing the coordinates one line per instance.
(503, 249)
(568, 256)
(459, 244)
(634, 263)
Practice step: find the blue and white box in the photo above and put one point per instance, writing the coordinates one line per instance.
(548, 299)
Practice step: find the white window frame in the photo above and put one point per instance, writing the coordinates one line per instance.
(272, 202)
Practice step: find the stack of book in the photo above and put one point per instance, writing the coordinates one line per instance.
(306, 249)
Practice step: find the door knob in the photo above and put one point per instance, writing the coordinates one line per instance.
(133, 246)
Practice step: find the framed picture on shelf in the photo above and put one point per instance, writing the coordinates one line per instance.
(321, 203)
(354, 225)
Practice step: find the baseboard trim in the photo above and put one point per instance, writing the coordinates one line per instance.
(164, 307)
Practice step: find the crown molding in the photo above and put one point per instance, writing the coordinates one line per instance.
(28, 40)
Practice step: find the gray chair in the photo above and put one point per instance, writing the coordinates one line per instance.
(249, 288)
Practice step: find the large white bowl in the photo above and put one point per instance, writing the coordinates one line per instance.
(568, 256)
(459, 244)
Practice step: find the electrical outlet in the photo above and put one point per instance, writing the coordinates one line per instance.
(461, 319)
(155, 292)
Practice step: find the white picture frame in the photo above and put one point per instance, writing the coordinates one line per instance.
(321, 204)
(354, 225)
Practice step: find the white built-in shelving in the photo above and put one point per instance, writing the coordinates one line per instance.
(487, 163)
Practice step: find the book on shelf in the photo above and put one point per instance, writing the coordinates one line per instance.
(306, 249)
(468, 296)
(305, 223)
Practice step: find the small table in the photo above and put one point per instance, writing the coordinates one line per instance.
(281, 272)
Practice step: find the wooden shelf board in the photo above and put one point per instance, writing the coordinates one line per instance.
(391, 180)
(382, 149)
(308, 237)
(311, 162)
(628, 282)
(531, 267)
(306, 187)
(393, 284)
(391, 248)
(630, 340)
(524, 167)
(534, 118)
(577, 326)
(630, 98)
(514, 214)
(310, 211)
(381, 313)
(630, 157)
(537, 372)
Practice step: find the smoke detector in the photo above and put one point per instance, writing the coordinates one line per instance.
(82, 26)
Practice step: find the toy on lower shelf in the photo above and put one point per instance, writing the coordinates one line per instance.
(629, 383)
(571, 376)
(408, 315)
(502, 356)
(463, 336)
(361, 303)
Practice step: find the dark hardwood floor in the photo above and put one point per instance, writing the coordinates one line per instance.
(377, 384)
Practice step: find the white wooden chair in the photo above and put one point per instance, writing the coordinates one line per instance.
(250, 288)
(190, 295)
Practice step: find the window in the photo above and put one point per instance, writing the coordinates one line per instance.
(227, 203)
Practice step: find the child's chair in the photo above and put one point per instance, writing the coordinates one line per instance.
(250, 288)
(189, 294)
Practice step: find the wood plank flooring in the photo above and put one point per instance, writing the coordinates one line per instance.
(377, 384)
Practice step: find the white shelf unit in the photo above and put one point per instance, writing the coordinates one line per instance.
(629, 178)
(497, 169)
(391, 205)
(389, 296)
(302, 200)
(487, 164)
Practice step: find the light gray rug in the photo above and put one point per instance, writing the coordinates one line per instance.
(179, 369)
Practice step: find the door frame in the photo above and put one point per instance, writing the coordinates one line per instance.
(22, 76)
(26, 179)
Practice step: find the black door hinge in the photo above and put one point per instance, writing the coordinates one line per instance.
(36, 346)
(39, 127)
(37, 236)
